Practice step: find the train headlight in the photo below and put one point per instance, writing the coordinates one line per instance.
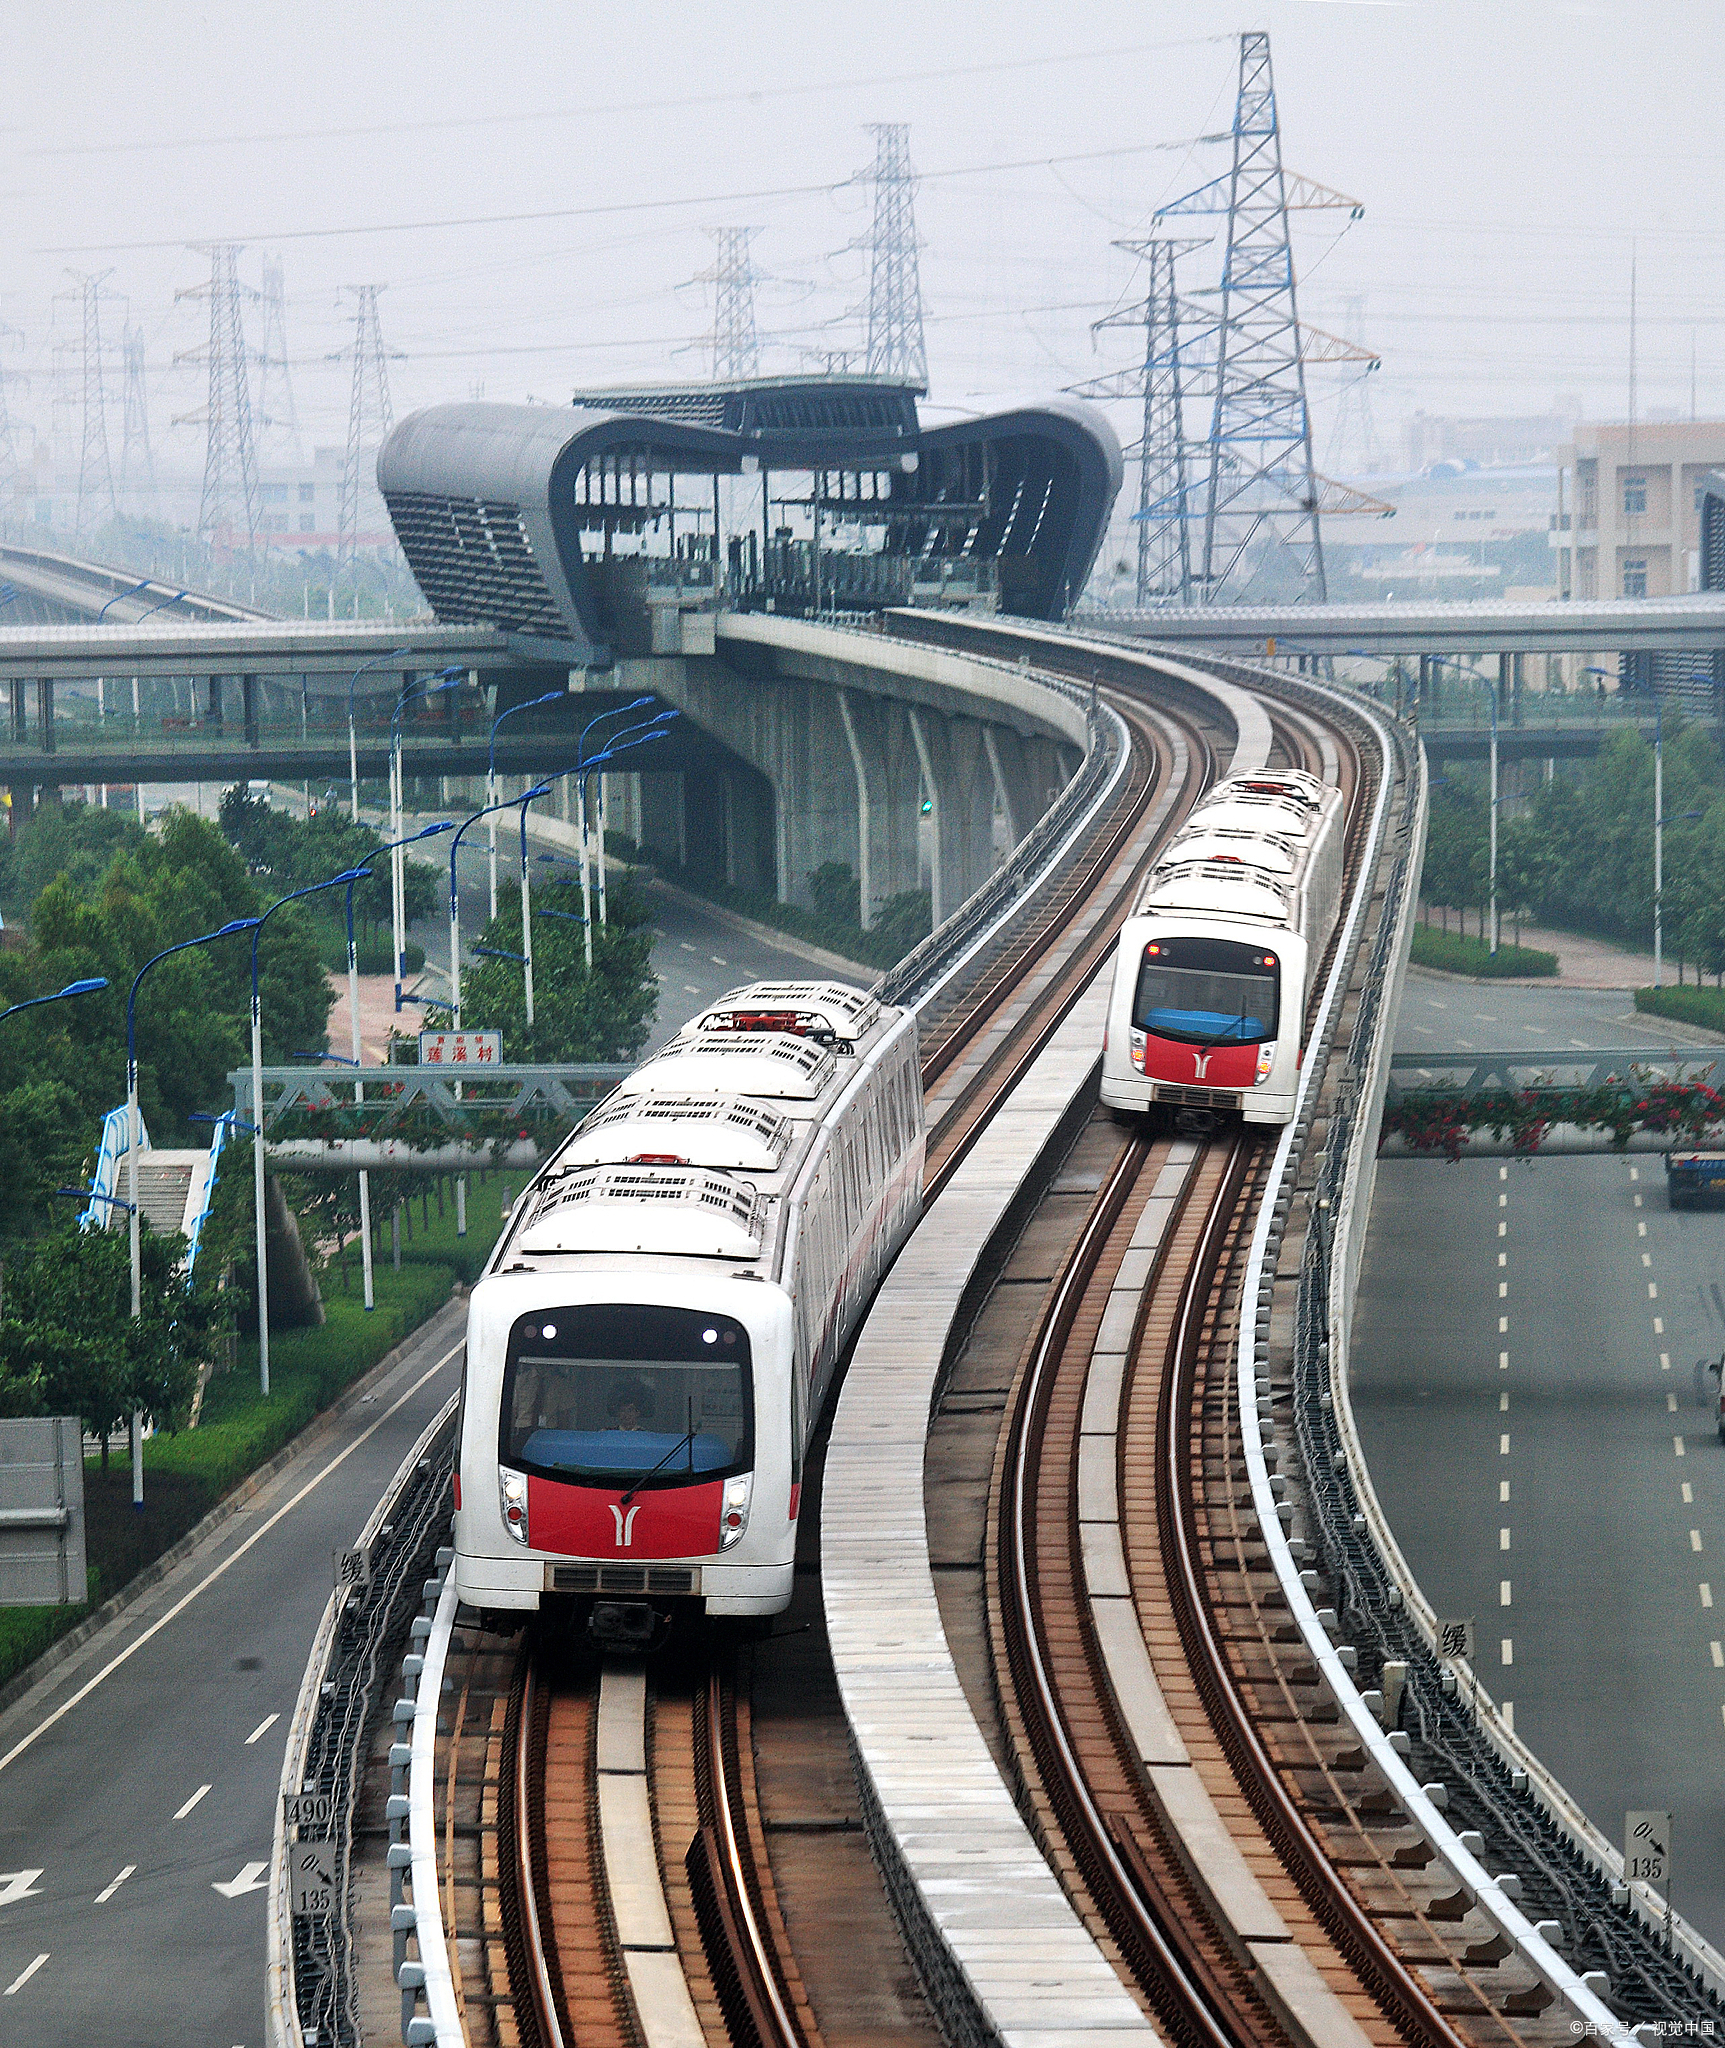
(1266, 1060)
(734, 1516)
(1138, 1050)
(512, 1499)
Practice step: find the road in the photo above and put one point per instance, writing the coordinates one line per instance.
(1523, 1358)
(143, 1774)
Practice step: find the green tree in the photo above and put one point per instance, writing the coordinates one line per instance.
(578, 1016)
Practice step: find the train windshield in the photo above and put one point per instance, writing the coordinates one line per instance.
(1207, 992)
(612, 1394)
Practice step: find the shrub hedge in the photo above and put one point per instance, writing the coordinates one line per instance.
(1703, 1006)
(1453, 953)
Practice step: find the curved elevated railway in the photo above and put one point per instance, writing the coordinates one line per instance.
(1214, 1863)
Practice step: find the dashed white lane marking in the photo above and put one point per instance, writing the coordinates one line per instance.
(1503, 1361)
(1508, 1652)
(1706, 1594)
(1503, 1258)
(1466, 1044)
(1637, 1201)
(1647, 1258)
(1582, 1042)
(1671, 1404)
(1659, 1326)
(1503, 1445)
(1431, 1001)
(1695, 1539)
(1479, 1017)
(1635, 1173)
(108, 1890)
(1653, 1290)
(1503, 1326)
(190, 1803)
(717, 962)
(1503, 1539)
(687, 948)
(1677, 1447)
(1503, 1489)
(1503, 1290)
(1503, 1201)
(1718, 1650)
(1503, 1592)
(1507, 1714)
(1641, 1229)
(263, 1728)
(233, 1557)
(24, 1975)
(1665, 1361)
(1688, 1493)
(1503, 1402)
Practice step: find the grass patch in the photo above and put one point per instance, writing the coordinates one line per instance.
(1703, 1006)
(185, 1475)
(1452, 953)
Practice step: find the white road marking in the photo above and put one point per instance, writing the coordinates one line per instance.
(1503, 1201)
(1503, 1592)
(24, 1975)
(1688, 1493)
(1637, 1200)
(690, 990)
(717, 962)
(18, 1884)
(190, 1803)
(1424, 1030)
(1671, 1404)
(1503, 1258)
(263, 1728)
(251, 1878)
(1431, 1000)
(1502, 1289)
(1677, 1447)
(1466, 1045)
(1647, 1258)
(108, 1891)
(1502, 1174)
(1503, 1361)
(1503, 1539)
(1718, 1650)
(1503, 1445)
(1659, 1326)
(1665, 1361)
(1503, 1230)
(1503, 1326)
(1652, 1287)
(1507, 1710)
(1503, 1489)
(1695, 1539)
(1508, 1650)
(1503, 1403)
(1641, 1228)
(233, 1557)
(1706, 1594)
(1634, 1171)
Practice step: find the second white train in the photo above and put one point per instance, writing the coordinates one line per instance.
(1211, 980)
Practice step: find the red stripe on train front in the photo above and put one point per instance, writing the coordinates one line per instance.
(1204, 1066)
(592, 1521)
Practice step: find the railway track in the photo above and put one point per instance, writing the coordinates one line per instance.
(1230, 1852)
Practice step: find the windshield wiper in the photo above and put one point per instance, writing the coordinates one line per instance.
(1221, 1035)
(641, 1478)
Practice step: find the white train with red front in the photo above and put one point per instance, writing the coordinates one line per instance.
(1207, 1014)
(653, 1337)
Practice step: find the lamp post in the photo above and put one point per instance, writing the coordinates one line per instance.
(118, 596)
(1658, 845)
(616, 711)
(347, 875)
(445, 679)
(619, 743)
(72, 988)
(455, 958)
(377, 661)
(430, 832)
(549, 697)
(135, 1138)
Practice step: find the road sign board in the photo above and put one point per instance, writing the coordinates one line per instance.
(353, 1567)
(1455, 1638)
(308, 1809)
(1647, 1849)
(461, 1048)
(311, 1868)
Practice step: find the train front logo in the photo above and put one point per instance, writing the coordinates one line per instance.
(625, 1525)
(1200, 1065)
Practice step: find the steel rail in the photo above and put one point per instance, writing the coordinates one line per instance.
(1121, 1898)
(529, 1823)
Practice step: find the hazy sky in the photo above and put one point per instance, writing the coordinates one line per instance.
(1506, 153)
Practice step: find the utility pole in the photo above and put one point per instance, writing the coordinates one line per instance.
(96, 498)
(1260, 475)
(736, 349)
(1164, 514)
(369, 411)
(278, 416)
(895, 343)
(137, 463)
(228, 510)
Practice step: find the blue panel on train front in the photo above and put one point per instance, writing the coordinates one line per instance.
(625, 1450)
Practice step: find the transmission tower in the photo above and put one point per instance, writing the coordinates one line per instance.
(1163, 384)
(96, 496)
(736, 349)
(278, 417)
(368, 411)
(1260, 478)
(137, 463)
(1354, 439)
(228, 511)
(895, 344)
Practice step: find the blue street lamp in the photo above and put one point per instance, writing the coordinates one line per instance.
(119, 595)
(527, 797)
(160, 605)
(428, 832)
(347, 875)
(377, 661)
(135, 1138)
(620, 743)
(549, 697)
(72, 988)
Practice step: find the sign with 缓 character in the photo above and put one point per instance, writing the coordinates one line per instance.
(1647, 1849)
(353, 1568)
(1455, 1639)
(461, 1048)
(311, 1869)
